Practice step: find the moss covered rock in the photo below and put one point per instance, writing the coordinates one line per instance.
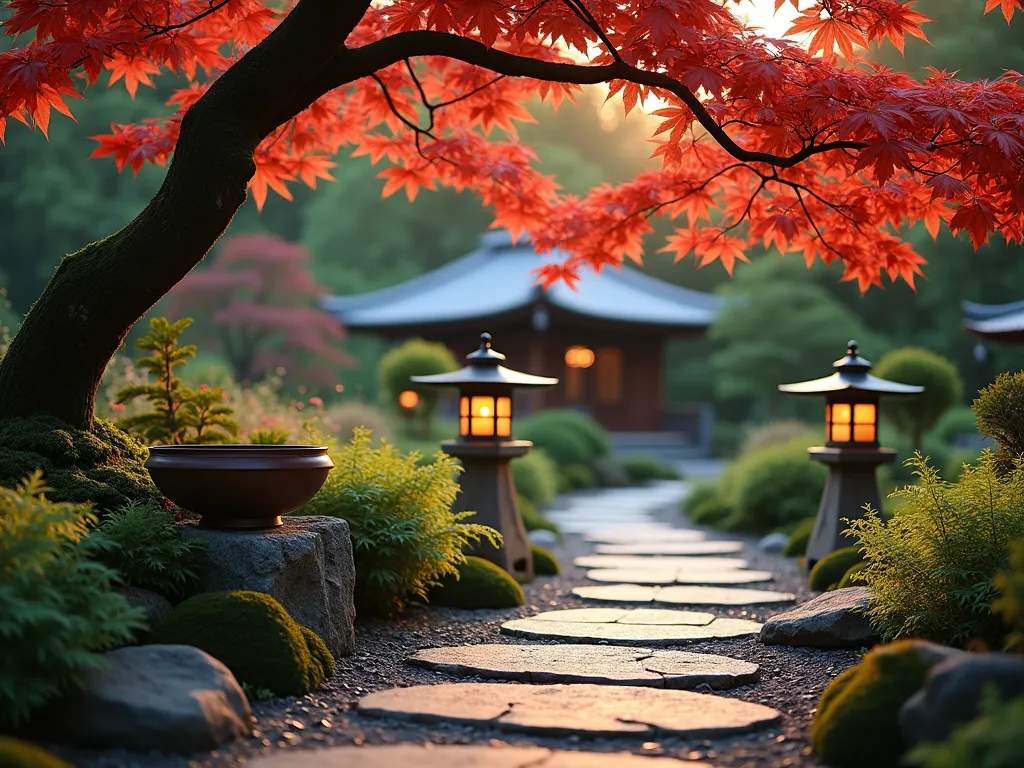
(15, 753)
(799, 538)
(103, 466)
(544, 561)
(318, 651)
(480, 584)
(253, 635)
(828, 572)
(848, 577)
(857, 720)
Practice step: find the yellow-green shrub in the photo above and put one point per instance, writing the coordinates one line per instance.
(850, 578)
(1010, 602)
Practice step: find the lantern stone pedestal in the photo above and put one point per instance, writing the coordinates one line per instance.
(851, 485)
(489, 491)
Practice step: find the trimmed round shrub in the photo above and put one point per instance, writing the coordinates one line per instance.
(943, 388)
(608, 473)
(544, 561)
(699, 492)
(415, 357)
(15, 753)
(567, 436)
(999, 407)
(713, 511)
(776, 487)
(828, 571)
(799, 538)
(849, 579)
(536, 477)
(318, 651)
(579, 477)
(252, 634)
(643, 469)
(857, 720)
(479, 584)
(532, 519)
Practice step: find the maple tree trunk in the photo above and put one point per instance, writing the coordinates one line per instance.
(55, 361)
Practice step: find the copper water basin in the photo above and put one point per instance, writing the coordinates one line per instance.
(239, 486)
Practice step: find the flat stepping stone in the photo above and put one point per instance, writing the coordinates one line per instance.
(672, 548)
(584, 710)
(460, 756)
(635, 626)
(598, 664)
(721, 596)
(668, 576)
(664, 563)
(643, 535)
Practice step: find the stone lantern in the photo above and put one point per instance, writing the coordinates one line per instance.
(851, 449)
(486, 447)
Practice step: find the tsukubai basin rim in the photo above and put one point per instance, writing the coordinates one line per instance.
(239, 486)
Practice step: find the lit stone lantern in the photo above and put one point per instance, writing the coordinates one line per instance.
(851, 449)
(485, 447)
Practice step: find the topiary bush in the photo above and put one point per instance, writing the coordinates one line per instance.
(850, 578)
(994, 739)
(103, 466)
(943, 388)
(15, 753)
(536, 477)
(800, 537)
(714, 511)
(775, 487)
(544, 561)
(478, 583)
(643, 469)
(415, 357)
(579, 477)
(532, 519)
(58, 606)
(405, 535)
(857, 722)
(829, 571)
(930, 567)
(567, 436)
(1000, 411)
(141, 542)
(252, 634)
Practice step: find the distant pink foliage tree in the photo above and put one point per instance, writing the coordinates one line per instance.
(258, 300)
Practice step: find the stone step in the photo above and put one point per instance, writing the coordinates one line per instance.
(673, 562)
(672, 548)
(681, 595)
(667, 576)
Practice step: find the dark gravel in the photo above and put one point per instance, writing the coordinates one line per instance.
(792, 680)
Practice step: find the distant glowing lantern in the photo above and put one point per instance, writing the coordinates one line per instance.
(579, 357)
(408, 399)
(851, 448)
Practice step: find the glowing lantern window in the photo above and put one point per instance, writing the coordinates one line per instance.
(851, 422)
(579, 357)
(485, 416)
(408, 399)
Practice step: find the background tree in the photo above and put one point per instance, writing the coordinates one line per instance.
(943, 388)
(257, 302)
(415, 357)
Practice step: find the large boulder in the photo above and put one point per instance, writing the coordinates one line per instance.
(306, 564)
(952, 693)
(836, 619)
(171, 698)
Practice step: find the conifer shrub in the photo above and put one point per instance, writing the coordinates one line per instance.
(478, 583)
(1000, 411)
(405, 535)
(544, 561)
(536, 477)
(252, 634)
(829, 571)
(643, 469)
(931, 567)
(141, 542)
(58, 606)
(850, 578)
(579, 477)
(994, 739)
(1010, 601)
(15, 753)
(857, 722)
(532, 519)
(103, 466)
(800, 537)
(774, 487)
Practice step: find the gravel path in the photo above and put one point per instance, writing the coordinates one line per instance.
(792, 680)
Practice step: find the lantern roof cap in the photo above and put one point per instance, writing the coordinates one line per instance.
(485, 368)
(852, 375)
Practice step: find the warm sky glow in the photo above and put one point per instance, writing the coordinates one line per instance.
(761, 13)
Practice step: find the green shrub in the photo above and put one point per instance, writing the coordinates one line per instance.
(544, 561)
(532, 519)
(957, 421)
(15, 753)
(269, 437)
(699, 492)
(567, 436)
(776, 433)
(405, 535)
(58, 606)
(1010, 602)
(1000, 411)
(643, 469)
(943, 388)
(142, 544)
(828, 572)
(252, 634)
(103, 466)
(415, 357)
(714, 511)
(578, 476)
(726, 439)
(994, 739)
(850, 577)
(775, 487)
(857, 723)
(319, 653)
(953, 467)
(609, 473)
(536, 477)
(800, 537)
(478, 583)
(930, 567)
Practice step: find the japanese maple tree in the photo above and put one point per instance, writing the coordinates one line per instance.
(259, 301)
(762, 140)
